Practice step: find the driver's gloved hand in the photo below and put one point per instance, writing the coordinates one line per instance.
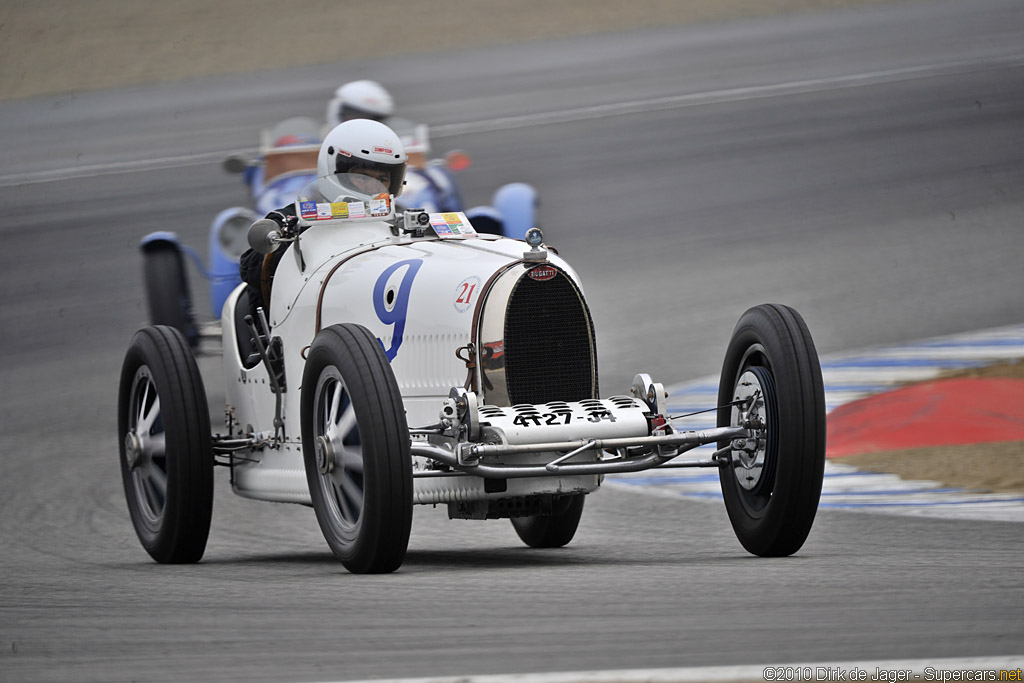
(287, 223)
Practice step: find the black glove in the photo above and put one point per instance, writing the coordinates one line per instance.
(288, 224)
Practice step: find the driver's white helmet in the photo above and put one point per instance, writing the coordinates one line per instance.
(360, 100)
(356, 150)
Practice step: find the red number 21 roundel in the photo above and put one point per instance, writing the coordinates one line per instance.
(466, 293)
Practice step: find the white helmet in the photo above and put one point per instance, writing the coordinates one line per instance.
(359, 100)
(360, 158)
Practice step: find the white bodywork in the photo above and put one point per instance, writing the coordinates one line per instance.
(418, 296)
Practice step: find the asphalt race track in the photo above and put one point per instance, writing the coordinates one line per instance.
(863, 166)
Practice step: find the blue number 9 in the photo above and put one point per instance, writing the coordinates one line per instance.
(392, 302)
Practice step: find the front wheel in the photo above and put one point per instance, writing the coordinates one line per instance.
(355, 443)
(772, 483)
(166, 453)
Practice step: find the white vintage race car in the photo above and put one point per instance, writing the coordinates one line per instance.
(406, 359)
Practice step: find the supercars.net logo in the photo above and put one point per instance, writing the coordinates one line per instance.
(835, 673)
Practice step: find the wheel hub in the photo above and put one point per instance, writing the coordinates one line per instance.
(324, 455)
(132, 449)
(749, 454)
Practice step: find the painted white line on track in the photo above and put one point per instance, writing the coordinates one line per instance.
(698, 99)
(180, 161)
(640, 106)
(995, 668)
(848, 377)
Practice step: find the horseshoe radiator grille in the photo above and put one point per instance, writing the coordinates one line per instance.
(550, 354)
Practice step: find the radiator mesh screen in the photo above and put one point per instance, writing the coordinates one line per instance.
(549, 350)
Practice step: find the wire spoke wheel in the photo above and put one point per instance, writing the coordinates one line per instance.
(355, 444)
(771, 380)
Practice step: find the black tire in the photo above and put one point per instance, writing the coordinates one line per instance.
(166, 454)
(355, 442)
(167, 290)
(773, 496)
(554, 530)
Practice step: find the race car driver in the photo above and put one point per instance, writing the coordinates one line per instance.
(370, 100)
(358, 159)
(359, 100)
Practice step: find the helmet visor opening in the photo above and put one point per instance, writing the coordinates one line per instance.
(348, 112)
(369, 177)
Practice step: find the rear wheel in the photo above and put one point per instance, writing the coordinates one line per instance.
(355, 442)
(554, 530)
(167, 290)
(166, 454)
(772, 483)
